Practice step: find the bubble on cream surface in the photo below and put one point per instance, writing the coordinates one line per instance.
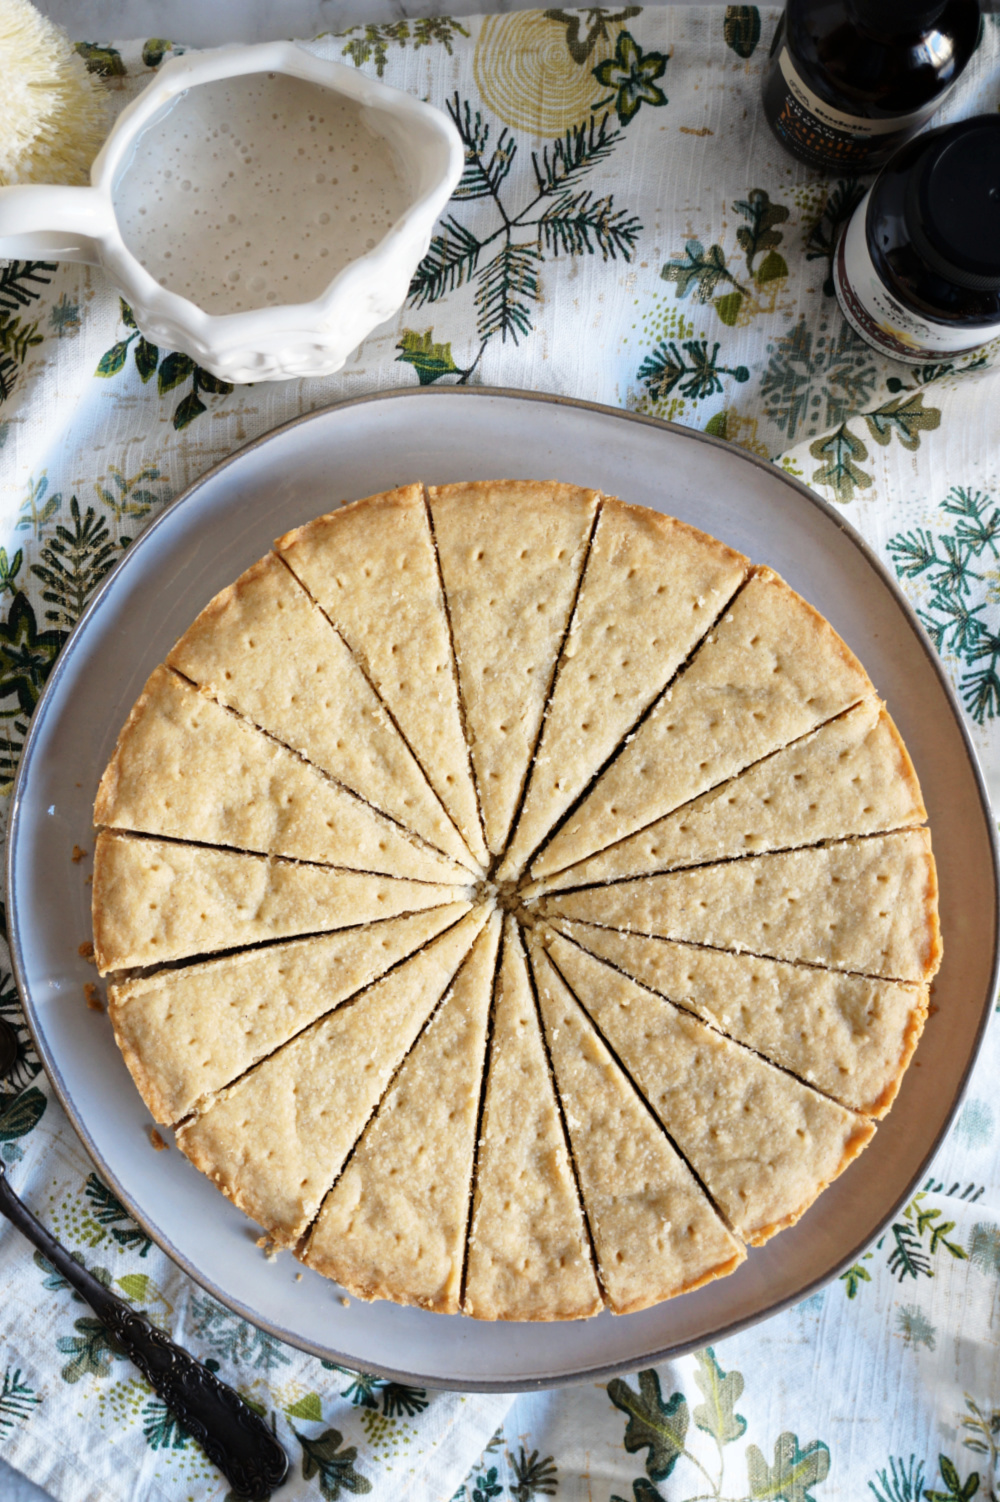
(254, 191)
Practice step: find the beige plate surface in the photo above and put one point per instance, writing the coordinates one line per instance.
(225, 521)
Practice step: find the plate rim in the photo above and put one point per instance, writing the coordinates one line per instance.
(598, 1371)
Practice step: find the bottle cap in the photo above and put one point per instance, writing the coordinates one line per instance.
(898, 17)
(952, 204)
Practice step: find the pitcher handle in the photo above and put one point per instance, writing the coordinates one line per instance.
(45, 221)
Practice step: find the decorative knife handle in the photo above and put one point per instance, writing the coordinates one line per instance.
(232, 1436)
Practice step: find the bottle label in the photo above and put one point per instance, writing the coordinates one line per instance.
(881, 319)
(829, 137)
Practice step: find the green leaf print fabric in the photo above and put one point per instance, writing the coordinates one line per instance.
(625, 231)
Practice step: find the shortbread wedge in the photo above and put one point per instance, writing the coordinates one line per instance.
(186, 1033)
(849, 1035)
(867, 905)
(372, 568)
(264, 649)
(157, 900)
(511, 553)
(655, 1232)
(191, 769)
(768, 672)
(528, 1255)
(394, 1225)
(651, 590)
(276, 1141)
(852, 776)
(763, 1144)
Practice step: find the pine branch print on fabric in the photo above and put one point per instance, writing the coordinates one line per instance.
(232, 1338)
(17, 1399)
(21, 284)
(910, 1244)
(956, 594)
(109, 1212)
(899, 1482)
(505, 264)
(25, 1065)
(695, 372)
(26, 658)
(74, 561)
(374, 41)
(365, 1390)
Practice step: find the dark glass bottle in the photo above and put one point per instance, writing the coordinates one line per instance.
(850, 80)
(917, 270)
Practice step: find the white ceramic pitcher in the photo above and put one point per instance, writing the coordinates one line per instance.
(277, 341)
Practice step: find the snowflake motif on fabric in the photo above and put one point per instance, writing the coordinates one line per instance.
(64, 317)
(984, 1248)
(958, 593)
(976, 1123)
(815, 378)
(915, 1328)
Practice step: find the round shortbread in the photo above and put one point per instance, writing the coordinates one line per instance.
(516, 901)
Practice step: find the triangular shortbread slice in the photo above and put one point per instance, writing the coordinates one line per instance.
(763, 1144)
(529, 1256)
(394, 1225)
(155, 900)
(188, 1032)
(849, 1035)
(263, 648)
(655, 1232)
(373, 569)
(868, 905)
(852, 776)
(651, 589)
(276, 1140)
(511, 553)
(771, 670)
(187, 767)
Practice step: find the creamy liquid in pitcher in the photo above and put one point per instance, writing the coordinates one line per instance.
(256, 190)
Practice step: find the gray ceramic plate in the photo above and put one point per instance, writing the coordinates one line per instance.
(200, 544)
